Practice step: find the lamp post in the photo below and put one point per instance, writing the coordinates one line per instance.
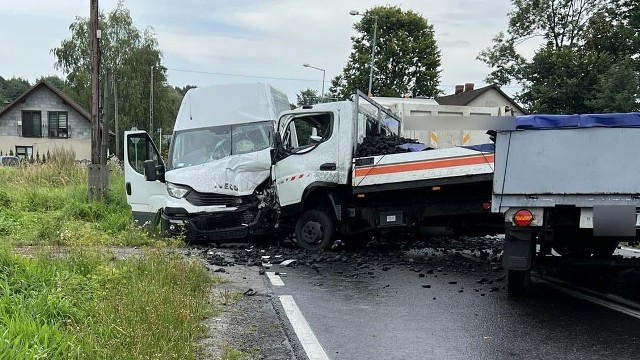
(373, 45)
(323, 72)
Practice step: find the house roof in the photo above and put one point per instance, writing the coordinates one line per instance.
(466, 97)
(67, 100)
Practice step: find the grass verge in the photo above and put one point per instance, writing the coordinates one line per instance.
(88, 305)
(47, 205)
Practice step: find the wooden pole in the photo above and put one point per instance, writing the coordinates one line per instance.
(106, 106)
(95, 73)
(115, 115)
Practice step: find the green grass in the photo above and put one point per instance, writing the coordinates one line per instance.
(76, 299)
(47, 205)
(86, 305)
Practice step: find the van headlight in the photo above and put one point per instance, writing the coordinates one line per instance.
(177, 191)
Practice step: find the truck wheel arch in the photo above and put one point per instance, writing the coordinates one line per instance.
(322, 196)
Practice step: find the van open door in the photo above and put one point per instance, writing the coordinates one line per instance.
(145, 197)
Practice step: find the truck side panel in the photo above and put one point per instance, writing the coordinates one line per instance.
(568, 161)
(419, 166)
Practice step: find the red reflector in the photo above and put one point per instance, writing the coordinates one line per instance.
(486, 206)
(523, 218)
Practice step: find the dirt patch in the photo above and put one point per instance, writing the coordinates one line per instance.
(247, 321)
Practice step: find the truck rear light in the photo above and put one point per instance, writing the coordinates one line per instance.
(486, 205)
(523, 217)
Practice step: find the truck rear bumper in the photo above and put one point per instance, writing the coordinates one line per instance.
(227, 225)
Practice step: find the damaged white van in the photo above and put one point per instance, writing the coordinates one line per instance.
(216, 182)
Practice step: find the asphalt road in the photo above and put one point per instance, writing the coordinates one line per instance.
(383, 311)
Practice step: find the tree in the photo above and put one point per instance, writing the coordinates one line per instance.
(130, 55)
(407, 58)
(307, 97)
(54, 80)
(588, 46)
(11, 89)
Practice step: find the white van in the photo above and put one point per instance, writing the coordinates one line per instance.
(216, 182)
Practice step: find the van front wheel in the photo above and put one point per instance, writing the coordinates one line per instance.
(315, 230)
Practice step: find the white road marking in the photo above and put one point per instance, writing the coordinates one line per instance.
(275, 279)
(602, 302)
(307, 339)
(624, 248)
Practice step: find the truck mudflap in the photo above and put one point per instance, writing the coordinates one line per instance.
(518, 250)
(216, 226)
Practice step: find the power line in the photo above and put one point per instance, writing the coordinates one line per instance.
(290, 79)
(240, 75)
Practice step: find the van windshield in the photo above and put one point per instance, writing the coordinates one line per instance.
(198, 146)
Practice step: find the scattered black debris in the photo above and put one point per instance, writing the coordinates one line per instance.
(453, 282)
(427, 286)
(250, 292)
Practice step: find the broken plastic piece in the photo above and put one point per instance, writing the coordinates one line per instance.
(288, 262)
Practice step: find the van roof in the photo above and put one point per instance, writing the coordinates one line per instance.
(230, 104)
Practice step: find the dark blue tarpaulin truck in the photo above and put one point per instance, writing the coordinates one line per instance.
(569, 186)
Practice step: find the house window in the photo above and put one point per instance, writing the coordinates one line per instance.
(24, 152)
(58, 124)
(31, 124)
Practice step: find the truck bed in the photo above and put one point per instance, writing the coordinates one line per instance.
(422, 168)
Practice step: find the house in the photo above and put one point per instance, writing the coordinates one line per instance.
(42, 119)
(490, 96)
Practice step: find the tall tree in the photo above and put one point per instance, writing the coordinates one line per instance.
(131, 55)
(307, 97)
(407, 58)
(588, 46)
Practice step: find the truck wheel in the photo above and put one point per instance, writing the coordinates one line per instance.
(517, 282)
(604, 247)
(314, 230)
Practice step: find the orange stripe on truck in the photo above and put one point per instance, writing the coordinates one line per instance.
(426, 165)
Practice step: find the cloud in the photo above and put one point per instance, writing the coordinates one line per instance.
(255, 37)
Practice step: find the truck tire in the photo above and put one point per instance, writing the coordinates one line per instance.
(602, 248)
(315, 230)
(517, 282)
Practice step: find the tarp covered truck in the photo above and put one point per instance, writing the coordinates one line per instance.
(567, 183)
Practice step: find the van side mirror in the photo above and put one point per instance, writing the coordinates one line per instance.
(277, 151)
(153, 171)
(315, 139)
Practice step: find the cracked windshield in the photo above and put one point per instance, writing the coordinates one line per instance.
(195, 147)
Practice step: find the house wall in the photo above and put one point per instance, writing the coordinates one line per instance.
(493, 98)
(44, 100)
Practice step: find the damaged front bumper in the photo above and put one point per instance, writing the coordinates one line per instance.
(219, 225)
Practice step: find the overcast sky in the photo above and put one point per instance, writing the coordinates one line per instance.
(253, 38)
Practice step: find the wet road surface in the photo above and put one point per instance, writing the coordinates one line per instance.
(379, 311)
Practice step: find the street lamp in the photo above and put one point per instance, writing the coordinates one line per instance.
(373, 45)
(323, 72)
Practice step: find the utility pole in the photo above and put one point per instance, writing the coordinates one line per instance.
(98, 173)
(151, 105)
(115, 115)
(95, 73)
(106, 114)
